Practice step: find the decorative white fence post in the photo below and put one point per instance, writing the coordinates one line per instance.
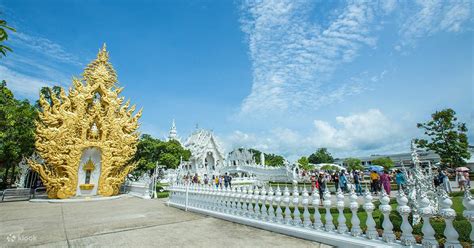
(387, 225)
(271, 211)
(369, 207)
(296, 212)
(407, 237)
(468, 212)
(306, 216)
(251, 213)
(426, 211)
(263, 198)
(286, 200)
(341, 219)
(355, 221)
(329, 226)
(256, 207)
(278, 199)
(448, 214)
(318, 224)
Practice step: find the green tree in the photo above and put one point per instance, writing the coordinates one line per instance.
(385, 162)
(304, 163)
(4, 37)
(354, 164)
(447, 138)
(151, 150)
(274, 160)
(17, 129)
(321, 156)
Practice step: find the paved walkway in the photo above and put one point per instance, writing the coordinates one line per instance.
(126, 222)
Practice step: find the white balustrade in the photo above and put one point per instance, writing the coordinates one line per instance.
(286, 200)
(468, 213)
(329, 226)
(407, 237)
(341, 219)
(278, 200)
(388, 235)
(449, 214)
(306, 216)
(263, 198)
(369, 208)
(296, 203)
(263, 209)
(271, 210)
(316, 201)
(355, 221)
(426, 212)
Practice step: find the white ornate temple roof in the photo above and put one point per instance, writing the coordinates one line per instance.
(200, 142)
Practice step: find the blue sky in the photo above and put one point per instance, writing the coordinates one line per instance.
(285, 77)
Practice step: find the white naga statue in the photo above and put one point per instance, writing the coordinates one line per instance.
(419, 182)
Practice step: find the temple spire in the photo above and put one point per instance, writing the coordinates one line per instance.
(173, 134)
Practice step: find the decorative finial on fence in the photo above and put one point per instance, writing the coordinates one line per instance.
(426, 211)
(407, 237)
(355, 221)
(387, 225)
(468, 213)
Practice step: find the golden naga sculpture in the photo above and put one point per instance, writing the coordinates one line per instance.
(91, 116)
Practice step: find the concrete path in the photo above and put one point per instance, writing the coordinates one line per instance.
(126, 222)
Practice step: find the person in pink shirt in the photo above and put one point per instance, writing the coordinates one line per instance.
(385, 181)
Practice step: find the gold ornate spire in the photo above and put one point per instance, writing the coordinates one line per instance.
(91, 115)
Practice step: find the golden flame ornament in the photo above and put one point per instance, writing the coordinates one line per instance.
(92, 115)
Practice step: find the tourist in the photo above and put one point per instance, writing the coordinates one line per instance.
(335, 179)
(467, 182)
(226, 180)
(343, 181)
(461, 180)
(374, 177)
(195, 178)
(444, 181)
(216, 181)
(357, 179)
(314, 181)
(230, 182)
(206, 179)
(385, 181)
(400, 179)
(322, 186)
(221, 178)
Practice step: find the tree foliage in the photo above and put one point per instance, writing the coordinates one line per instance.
(151, 150)
(270, 159)
(447, 138)
(321, 156)
(4, 28)
(353, 164)
(17, 127)
(385, 162)
(304, 163)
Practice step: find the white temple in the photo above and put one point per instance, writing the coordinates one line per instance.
(206, 155)
(173, 134)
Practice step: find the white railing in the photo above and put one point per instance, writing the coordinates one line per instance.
(272, 211)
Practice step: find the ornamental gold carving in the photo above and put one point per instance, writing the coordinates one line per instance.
(92, 115)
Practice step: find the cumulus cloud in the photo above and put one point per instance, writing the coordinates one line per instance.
(356, 134)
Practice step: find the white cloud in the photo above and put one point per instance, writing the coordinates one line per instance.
(25, 85)
(45, 47)
(432, 17)
(356, 134)
(292, 56)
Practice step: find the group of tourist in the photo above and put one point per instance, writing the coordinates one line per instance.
(464, 182)
(217, 181)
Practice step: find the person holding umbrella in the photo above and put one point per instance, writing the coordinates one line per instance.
(461, 179)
